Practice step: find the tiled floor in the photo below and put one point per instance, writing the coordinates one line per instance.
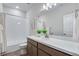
(20, 52)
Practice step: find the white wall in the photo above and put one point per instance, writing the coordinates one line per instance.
(31, 17)
(77, 26)
(15, 12)
(1, 8)
(3, 31)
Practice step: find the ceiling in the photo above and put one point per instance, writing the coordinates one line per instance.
(22, 6)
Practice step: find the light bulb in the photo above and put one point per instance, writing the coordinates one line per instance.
(44, 6)
(17, 6)
(54, 4)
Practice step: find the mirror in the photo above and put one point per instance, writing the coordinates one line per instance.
(64, 27)
(58, 27)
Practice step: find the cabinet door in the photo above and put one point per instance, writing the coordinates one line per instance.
(34, 51)
(29, 49)
(42, 53)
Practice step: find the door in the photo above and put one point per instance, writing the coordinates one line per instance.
(68, 23)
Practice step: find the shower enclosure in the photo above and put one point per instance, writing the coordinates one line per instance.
(12, 32)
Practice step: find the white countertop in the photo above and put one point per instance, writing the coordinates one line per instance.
(68, 47)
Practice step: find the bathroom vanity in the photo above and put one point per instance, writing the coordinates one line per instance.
(37, 46)
(37, 49)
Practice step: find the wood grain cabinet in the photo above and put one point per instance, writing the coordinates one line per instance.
(31, 48)
(37, 49)
(42, 53)
(51, 51)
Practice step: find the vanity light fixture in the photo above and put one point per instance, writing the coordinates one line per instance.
(54, 4)
(45, 7)
(48, 5)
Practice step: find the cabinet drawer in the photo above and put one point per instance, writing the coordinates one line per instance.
(42, 53)
(51, 51)
(32, 42)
